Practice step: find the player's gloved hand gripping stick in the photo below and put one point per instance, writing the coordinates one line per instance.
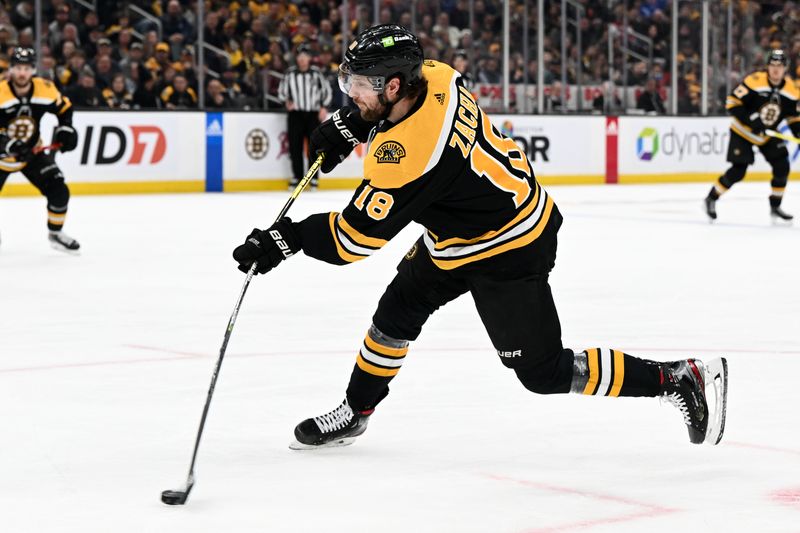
(179, 497)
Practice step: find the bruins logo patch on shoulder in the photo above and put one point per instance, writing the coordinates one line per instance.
(390, 152)
(428, 63)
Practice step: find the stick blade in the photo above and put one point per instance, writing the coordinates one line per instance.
(177, 497)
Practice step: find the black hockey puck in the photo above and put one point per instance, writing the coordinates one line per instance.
(173, 497)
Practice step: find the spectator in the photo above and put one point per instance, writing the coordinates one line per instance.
(70, 33)
(260, 40)
(47, 69)
(490, 73)
(68, 75)
(232, 86)
(8, 38)
(135, 56)
(85, 93)
(554, 99)
(22, 15)
(649, 100)
(123, 47)
(104, 71)
(185, 65)
(178, 95)
(146, 94)
(461, 64)
(117, 95)
(56, 28)
(175, 26)
(247, 63)
(160, 60)
(216, 96)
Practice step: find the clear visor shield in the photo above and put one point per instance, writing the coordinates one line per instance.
(358, 85)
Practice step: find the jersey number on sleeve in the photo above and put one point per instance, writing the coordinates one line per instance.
(379, 202)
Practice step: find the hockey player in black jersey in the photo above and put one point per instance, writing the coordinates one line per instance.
(757, 105)
(24, 99)
(435, 158)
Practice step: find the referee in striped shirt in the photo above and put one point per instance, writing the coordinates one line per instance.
(306, 93)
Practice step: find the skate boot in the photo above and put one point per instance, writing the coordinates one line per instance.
(711, 205)
(340, 427)
(683, 384)
(62, 242)
(778, 214)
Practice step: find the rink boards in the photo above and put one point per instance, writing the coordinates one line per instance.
(139, 152)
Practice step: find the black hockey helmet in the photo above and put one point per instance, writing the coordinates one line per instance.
(777, 57)
(22, 55)
(381, 53)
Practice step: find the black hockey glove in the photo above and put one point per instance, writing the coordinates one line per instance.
(17, 149)
(338, 135)
(269, 247)
(67, 137)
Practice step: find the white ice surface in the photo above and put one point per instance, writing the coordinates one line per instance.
(105, 362)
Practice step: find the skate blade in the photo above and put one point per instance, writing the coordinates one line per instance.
(61, 249)
(297, 445)
(781, 222)
(716, 377)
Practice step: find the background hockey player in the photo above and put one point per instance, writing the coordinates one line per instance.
(760, 103)
(24, 99)
(435, 158)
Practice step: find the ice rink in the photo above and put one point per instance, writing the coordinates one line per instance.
(105, 362)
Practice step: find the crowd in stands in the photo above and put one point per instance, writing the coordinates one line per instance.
(115, 57)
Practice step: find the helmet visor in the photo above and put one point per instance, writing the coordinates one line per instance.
(357, 84)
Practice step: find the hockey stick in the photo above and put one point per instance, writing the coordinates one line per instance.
(784, 136)
(40, 149)
(179, 497)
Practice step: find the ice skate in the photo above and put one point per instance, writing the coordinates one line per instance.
(340, 427)
(685, 384)
(63, 243)
(711, 207)
(778, 215)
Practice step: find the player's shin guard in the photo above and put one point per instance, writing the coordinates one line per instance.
(605, 372)
(378, 362)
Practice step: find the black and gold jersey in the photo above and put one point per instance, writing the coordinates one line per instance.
(445, 166)
(756, 98)
(20, 116)
(187, 98)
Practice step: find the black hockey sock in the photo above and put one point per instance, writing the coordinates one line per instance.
(605, 372)
(379, 360)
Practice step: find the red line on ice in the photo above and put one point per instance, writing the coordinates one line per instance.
(649, 511)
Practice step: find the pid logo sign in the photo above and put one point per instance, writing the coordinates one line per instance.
(647, 144)
(140, 145)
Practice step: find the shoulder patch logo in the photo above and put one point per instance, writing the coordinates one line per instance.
(390, 152)
(439, 98)
(428, 63)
